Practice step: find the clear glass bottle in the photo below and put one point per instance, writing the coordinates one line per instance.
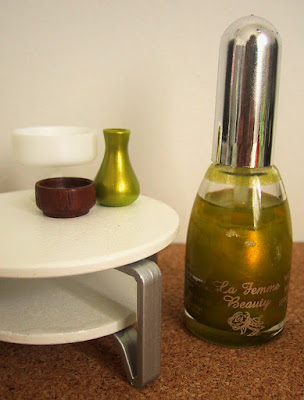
(238, 256)
(239, 242)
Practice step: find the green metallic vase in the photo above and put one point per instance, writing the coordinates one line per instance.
(116, 182)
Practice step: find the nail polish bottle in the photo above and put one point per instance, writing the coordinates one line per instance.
(239, 242)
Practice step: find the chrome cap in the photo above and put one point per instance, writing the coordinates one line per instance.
(246, 93)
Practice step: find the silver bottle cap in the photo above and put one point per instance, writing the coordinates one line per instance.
(246, 93)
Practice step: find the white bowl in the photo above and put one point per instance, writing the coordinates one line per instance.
(53, 146)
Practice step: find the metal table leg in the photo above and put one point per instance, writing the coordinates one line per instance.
(140, 348)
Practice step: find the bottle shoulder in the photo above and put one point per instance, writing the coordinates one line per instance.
(246, 187)
(242, 176)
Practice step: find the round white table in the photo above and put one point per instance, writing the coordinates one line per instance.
(96, 277)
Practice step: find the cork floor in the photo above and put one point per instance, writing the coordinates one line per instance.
(191, 368)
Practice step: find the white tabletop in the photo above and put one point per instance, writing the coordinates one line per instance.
(33, 245)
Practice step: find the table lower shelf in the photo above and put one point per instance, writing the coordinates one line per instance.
(65, 310)
(73, 309)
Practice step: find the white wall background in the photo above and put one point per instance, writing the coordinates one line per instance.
(145, 65)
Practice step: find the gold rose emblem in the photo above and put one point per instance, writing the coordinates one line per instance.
(243, 322)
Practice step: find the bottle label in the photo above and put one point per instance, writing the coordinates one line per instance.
(234, 300)
(241, 320)
(248, 308)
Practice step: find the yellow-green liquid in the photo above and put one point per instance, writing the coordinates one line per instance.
(237, 268)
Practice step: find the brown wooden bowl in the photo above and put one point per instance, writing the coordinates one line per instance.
(65, 197)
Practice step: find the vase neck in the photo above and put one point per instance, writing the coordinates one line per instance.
(116, 139)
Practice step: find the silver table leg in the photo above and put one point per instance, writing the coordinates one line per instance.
(140, 348)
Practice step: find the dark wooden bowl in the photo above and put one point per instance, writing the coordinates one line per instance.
(65, 197)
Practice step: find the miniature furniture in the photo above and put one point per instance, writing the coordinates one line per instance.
(71, 280)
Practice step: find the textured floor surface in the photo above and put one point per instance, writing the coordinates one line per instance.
(191, 368)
